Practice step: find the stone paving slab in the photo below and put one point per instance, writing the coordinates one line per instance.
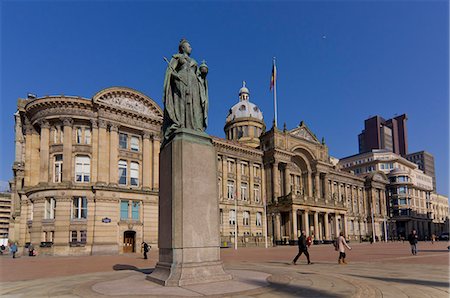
(263, 273)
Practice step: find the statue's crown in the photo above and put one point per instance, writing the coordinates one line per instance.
(182, 41)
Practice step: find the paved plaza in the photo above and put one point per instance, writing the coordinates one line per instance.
(377, 270)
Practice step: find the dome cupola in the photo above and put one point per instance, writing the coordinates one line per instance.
(244, 122)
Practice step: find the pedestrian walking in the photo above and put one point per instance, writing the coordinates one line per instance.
(342, 245)
(13, 250)
(146, 249)
(302, 248)
(413, 239)
(433, 238)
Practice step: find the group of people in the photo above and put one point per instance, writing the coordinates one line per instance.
(304, 242)
(341, 245)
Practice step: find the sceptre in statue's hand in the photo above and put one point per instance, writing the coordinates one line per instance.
(174, 73)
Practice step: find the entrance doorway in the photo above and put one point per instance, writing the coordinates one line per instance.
(129, 239)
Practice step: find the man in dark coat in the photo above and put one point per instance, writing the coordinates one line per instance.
(302, 248)
(412, 238)
(146, 249)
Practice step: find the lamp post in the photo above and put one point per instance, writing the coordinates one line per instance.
(265, 222)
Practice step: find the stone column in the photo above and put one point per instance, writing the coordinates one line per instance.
(276, 181)
(28, 148)
(251, 195)
(114, 155)
(146, 161)
(67, 150)
(325, 187)
(277, 226)
(344, 225)
(310, 188)
(294, 234)
(317, 185)
(327, 226)
(336, 224)
(306, 222)
(103, 153)
(287, 181)
(224, 177)
(316, 225)
(156, 148)
(94, 146)
(44, 151)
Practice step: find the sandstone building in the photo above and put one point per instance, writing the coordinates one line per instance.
(412, 204)
(86, 178)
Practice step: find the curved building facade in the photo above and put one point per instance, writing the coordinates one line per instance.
(86, 178)
(86, 172)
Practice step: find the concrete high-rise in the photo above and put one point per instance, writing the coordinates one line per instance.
(388, 134)
(425, 161)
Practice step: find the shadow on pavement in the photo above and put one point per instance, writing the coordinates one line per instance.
(294, 290)
(433, 250)
(432, 283)
(119, 267)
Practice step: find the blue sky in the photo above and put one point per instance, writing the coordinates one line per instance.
(339, 62)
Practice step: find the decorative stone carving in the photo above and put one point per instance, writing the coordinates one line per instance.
(303, 134)
(113, 127)
(130, 104)
(147, 135)
(94, 123)
(67, 121)
(102, 123)
(44, 124)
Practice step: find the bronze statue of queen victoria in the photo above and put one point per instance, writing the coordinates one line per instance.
(185, 93)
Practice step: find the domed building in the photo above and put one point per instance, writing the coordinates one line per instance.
(86, 178)
(245, 122)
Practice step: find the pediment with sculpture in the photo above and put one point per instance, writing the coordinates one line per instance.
(128, 99)
(303, 132)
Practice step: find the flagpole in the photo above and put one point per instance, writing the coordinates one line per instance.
(275, 93)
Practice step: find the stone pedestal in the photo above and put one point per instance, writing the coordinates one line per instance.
(189, 251)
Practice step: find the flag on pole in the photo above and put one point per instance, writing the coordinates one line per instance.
(274, 75)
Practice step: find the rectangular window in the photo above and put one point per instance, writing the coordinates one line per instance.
(230, 189)
(123, 141)
(230, 165)
(61, 136)
(134, 144)
(73, 236)
(58, 168)
(122, 172)
(55, 135)
(50, 205)
(258, 219)
(243, 169)
(78, 135)
(83, 236)
(135, 210)
(124, 209)
(87, 135)
(232, 217)
(257, 193)
(79, 208)
(82, 168)
(246, 218)
(134, 174)
(244, 191)
(256, 170)
(221, 216)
